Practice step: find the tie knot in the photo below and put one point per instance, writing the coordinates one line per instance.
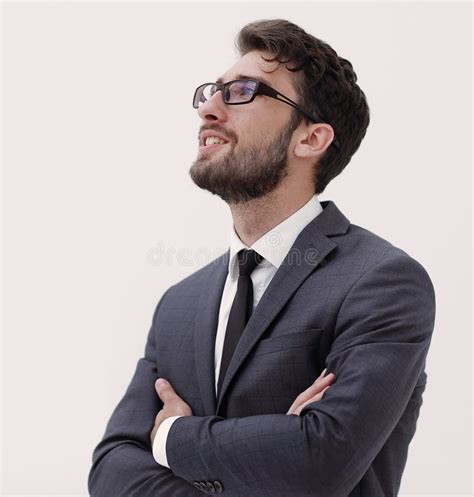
(248, 261)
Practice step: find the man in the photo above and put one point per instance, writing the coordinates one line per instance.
(292, 365)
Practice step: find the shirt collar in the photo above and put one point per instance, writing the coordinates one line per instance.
(275, 244)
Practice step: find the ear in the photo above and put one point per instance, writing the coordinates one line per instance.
(313, 140)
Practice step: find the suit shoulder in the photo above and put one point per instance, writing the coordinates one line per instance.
(377, 253)
(361, 240)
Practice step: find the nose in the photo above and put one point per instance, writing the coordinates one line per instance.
(214, 109)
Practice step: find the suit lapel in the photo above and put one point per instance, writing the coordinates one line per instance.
(206, 328)
(310, 248)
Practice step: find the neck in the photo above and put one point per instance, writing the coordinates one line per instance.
(254, 218)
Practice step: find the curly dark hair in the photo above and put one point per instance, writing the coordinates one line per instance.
(325, 81)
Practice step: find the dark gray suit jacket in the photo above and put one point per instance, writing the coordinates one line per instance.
(344, 299)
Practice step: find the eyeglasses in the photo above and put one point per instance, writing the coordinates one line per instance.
(244, 91)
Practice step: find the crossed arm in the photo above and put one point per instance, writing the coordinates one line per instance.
(174, 405)
(123, 465)
(382, 336)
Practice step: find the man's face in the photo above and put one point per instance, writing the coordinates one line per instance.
(254, 158)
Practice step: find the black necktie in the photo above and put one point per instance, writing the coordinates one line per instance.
(240, 311)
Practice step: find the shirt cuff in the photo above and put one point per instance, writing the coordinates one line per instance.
(159, 444)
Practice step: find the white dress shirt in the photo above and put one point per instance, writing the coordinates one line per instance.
(273, 246)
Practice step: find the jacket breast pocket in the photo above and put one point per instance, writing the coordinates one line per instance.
(276, 372)
(305, 338)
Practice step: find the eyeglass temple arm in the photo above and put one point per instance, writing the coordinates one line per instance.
(270, 92)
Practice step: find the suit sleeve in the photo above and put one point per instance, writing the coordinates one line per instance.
(382, 335)
(122, 463)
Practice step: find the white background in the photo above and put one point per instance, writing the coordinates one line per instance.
(100, 216)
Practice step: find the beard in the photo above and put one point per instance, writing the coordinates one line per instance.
(247, 174)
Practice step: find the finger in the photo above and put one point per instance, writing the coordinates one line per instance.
(315, 388)
(323, 373)
(310, 395)
(153, 433)
(316, 398)
(164, 390)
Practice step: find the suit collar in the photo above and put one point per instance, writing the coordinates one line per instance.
(331, 221)
(275, 244)
(205, 328)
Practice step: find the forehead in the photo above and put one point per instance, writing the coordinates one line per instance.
(252, 65)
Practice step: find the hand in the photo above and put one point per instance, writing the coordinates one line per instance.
(173, 405)
(312, 394)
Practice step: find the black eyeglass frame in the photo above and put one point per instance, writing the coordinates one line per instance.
(260, 89)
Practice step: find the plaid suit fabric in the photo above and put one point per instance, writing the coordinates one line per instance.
(344, 299)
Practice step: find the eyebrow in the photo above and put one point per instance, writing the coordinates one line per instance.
(244, 76)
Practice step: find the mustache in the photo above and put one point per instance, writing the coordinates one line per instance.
(227, 133)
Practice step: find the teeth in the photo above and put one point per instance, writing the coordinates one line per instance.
(213, 140)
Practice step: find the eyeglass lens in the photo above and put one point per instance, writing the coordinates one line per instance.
(236, 92)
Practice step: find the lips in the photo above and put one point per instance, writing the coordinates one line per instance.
(211, 137)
